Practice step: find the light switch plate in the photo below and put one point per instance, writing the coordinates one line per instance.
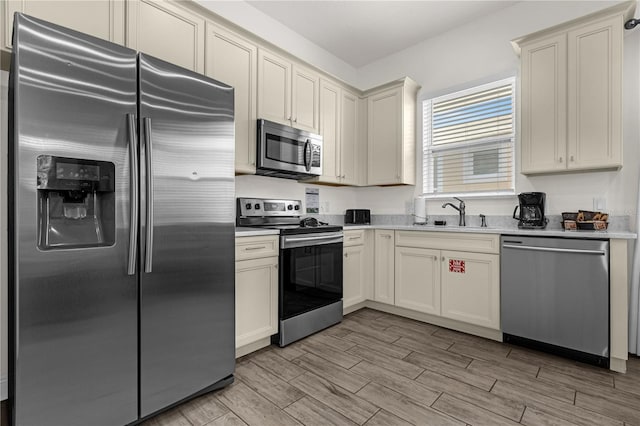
(599, 204)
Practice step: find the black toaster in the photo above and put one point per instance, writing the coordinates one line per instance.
(357, 216)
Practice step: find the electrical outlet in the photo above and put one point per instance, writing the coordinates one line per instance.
(599, 204)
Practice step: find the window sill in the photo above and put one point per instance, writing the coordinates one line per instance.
(470, 195)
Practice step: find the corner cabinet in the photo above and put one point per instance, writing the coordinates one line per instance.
(168, 31)
(100, 18)
(571, 94)
(287, 93)
(233, 60)
(392, 134)
(341, 146)
(256, 292)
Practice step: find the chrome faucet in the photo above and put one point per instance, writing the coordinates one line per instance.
(459, 208)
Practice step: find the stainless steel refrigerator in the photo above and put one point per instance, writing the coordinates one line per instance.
(121, 231)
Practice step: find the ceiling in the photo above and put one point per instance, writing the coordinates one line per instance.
(361, 32)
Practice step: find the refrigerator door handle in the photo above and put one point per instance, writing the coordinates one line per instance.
(133, 194)
(148, 258)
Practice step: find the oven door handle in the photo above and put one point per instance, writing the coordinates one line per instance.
(291, 241)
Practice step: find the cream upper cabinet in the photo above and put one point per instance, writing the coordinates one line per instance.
(232, 59)
(339, 129)
(595, 95)
(350, 147)
(168, 31)
(100, 18)
(544, 105)
(274, 87)
(384, 268)
(471, 288)
(571, 95)
(287, 93)
(417, 281)
(392, 134)
(330, 97)
(305, 99)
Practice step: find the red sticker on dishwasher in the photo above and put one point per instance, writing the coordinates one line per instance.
(456, 266)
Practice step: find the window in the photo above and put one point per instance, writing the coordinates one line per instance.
(468, 142)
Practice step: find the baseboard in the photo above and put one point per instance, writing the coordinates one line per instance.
(252, 347)
(487, 333)
(4, 388)
(352, 308)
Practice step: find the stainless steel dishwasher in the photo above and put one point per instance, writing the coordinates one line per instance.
(554, 295)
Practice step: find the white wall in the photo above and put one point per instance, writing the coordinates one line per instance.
(479, 52)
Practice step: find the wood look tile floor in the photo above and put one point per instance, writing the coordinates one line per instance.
(380, 369)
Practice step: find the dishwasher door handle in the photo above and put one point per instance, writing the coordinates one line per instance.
(555, 250)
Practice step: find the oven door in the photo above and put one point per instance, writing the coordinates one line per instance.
(310, 272)
(283, 148)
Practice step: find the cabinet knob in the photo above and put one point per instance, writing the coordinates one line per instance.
(560, 160)
(346, 255)
(571, 159)
(443, 258)
(343, 176)
(295, 120)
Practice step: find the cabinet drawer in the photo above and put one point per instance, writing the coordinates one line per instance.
(354, 238)
(256, 247)
(461, 241)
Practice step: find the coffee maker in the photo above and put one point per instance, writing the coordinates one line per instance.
(531, 210)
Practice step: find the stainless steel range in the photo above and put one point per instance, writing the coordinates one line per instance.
(310, 266)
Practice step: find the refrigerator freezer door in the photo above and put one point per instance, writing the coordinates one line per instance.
(74, 337)
(187, 279)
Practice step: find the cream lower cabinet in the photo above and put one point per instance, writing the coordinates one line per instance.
(417, 279)
(356, 266)
(256, 292)
(384, 266)
(470, 288)
(456, 284)
(232, 59)
(168, 31)
(100, 18)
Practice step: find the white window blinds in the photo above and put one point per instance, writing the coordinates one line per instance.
(468, 141)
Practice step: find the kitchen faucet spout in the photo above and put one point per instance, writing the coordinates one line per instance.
(460, 208)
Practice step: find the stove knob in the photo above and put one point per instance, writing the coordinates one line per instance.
(257, 206)
(289, 207)
(297, 207)
(247, 206)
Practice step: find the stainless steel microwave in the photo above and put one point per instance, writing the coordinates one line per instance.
(287, 152)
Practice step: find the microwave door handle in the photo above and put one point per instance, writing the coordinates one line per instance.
(148, 261)
(307, 155)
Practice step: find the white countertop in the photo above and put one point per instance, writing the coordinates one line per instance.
(625, 235)
(252, 232)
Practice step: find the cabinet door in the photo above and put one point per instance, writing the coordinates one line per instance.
(384, 275)
(595, 95)
(330, 131)
(354, 290)
(350, 152)
(305, 102)
(233, 60)
(471, 288)
(385, 137)
(274, 88)
(167, 31)
(256, 299)
(99, 18)
(544, 107)
(418, 279)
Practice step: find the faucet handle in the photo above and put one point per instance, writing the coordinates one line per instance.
(461, 202)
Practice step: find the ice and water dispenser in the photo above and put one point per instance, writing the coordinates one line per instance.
(76, 203)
